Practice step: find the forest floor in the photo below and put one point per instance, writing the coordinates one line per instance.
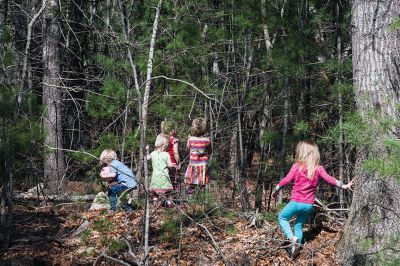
(178, 236)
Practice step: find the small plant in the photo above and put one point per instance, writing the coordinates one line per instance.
(117, 245)
(219, 212)
(269, 216)
(103, 225)
(203, 198)
(89, 252)
(135, 203)
(105, 241)
(280, 206)
(170, 230)
(171, 227)
(231, 230)
(75, 217)
(85, 236)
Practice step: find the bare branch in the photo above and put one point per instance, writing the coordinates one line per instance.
(188, 83)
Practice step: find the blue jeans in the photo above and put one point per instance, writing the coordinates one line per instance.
(113, 194)
(302, 211)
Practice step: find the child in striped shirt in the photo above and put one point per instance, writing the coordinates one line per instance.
(199, 147)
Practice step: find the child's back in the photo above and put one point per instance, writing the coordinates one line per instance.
(160, 181)
(199, 147)
(304, 188)
(159, 164)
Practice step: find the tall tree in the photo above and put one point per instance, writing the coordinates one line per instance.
(3, 15)
(54, 165)
(374, 215)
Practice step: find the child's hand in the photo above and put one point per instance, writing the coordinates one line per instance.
(349, 185)
(147, 148)
(274, 194)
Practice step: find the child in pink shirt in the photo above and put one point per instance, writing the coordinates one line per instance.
(305, 174)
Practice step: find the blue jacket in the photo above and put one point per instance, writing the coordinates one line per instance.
(125, 175)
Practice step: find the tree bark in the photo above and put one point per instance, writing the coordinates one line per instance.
(143, 132)
(340, 102)
(3, 16)
(285, 128)
(126, 127)
(54, 165)
(374, 215)
(6, 198)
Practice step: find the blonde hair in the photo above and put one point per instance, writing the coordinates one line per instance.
(198, 127)
(161, 141)
(307, 154)
(167, 127)
(107, 156)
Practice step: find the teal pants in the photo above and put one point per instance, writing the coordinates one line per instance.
(302, 211)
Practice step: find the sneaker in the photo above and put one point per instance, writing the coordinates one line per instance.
(295, 249)
(190, 191)
(169, 204)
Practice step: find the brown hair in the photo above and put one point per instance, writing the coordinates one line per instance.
(198, 127)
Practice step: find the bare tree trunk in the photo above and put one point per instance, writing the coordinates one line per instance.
(233, 161)
(6, 175)
(243, 178)
(373, 225)
(268, 43)
(284, 132)
(6, 197)
(26, 62)
(143, 132)
(126, 30)
(340, 103)
(3, 16)
(54, 165)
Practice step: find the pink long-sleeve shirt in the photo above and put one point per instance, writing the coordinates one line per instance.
(304, 188)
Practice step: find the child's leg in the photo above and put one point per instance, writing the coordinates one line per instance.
(284, 217)
(112, 198)
(304, 211)
(113, 194)
(154, 198)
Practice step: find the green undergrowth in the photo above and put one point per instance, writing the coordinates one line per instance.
(116, 246)
(103, 225)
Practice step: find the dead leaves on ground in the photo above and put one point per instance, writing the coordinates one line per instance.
(237, 242)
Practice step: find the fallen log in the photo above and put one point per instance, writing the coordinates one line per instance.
(56, 198)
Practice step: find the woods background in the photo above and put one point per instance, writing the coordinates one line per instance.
(90, 75)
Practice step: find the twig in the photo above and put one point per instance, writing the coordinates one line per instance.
(187, 83)
(133, 255)
(180, 243)
(110, 258)
(213, 243)
(81, 228)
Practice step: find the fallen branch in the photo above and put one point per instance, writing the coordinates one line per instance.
(204, 229)
(81, 228)
(133, 255)
(58, 198)
(110, 258)
(333, 211)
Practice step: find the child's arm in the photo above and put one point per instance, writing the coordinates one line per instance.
(286, 180)
(148, 156)
(108, 176)
(169, 163)
(176, 153)
(333, 181)
(188, 145)
(209, 148)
